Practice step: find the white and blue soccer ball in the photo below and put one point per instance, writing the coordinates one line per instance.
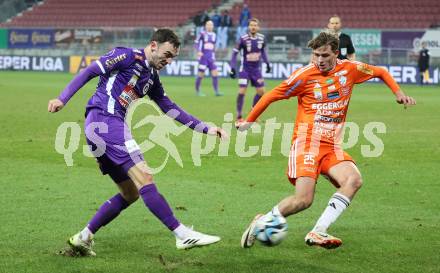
(271, 229)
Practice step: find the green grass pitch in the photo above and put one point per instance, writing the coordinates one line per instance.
(391, 226)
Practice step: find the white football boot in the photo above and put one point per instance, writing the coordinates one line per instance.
(194, 238)
(82, 245)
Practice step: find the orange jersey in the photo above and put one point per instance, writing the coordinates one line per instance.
(323, 98)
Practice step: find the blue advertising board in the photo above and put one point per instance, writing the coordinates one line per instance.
(30, 38)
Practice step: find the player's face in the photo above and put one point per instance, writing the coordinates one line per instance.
(253, 27)
(162, 54)
(334, 24)
(209, 26)
(324, 58)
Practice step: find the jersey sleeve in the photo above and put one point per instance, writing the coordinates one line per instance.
(364, 72)
(350, 46)
(235, 50)
(79, 81)
(172, 110)
(199, 43)
(264, 52)
(118, 58)
(291, 87)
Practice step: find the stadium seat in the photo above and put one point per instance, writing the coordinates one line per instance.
(375, 13)
(110, 13)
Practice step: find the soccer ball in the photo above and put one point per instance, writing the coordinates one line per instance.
(271, 229)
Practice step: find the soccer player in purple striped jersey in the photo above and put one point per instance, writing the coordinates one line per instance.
(205, 45)
(125, 75)
(252, 47)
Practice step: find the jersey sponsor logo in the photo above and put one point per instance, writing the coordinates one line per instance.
(329, 81)
(364, 69)
(342, 80)
(317, 94)
(330, 113)
(330, 105)
(253, 57)
(317, 91)
(341, 73)
(345, 91)
(331, 88)
(327, 119)
(115, 60)
(333, 95)
(208, 46)
(129, 95)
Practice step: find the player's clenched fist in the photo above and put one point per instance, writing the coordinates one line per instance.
(55, 105)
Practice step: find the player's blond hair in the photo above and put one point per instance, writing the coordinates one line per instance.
(324, 39)
(253, 20)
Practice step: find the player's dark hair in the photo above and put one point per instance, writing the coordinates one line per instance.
(324, 39)
(164, 35)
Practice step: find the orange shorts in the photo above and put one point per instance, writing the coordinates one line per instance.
(305, 160)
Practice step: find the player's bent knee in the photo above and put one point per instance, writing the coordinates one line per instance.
(140, 175)
(355, 182)
(304, 202)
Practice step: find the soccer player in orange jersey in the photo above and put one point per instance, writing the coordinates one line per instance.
(323, 89)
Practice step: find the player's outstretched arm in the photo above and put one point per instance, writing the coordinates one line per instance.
(366, 72)
(174, 111)
(79, 81)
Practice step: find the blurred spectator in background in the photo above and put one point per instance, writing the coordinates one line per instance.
(200, 20)
(215, 18)
(242, 28)
(346, 48)
(222, 32)
(423, 64)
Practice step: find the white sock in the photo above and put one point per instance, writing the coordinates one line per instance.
(86, 234)
(273, 212)
(276, 211)
(181, 231)
(337, 204)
